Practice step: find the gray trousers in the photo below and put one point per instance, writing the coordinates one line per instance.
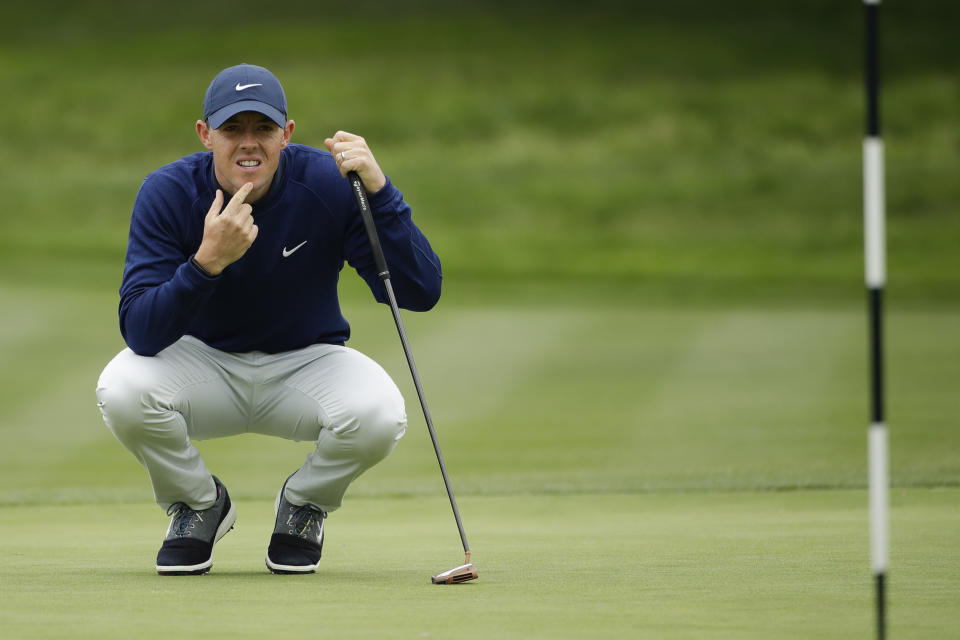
(330, 394)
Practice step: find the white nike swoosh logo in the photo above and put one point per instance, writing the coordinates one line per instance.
(241, 87)
(287, 253)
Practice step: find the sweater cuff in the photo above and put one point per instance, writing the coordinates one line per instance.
(387, 194)
(198, 267)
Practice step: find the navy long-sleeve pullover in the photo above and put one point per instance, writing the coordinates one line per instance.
(282, 294)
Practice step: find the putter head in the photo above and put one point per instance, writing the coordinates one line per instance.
(463, 573)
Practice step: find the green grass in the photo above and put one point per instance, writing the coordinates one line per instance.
(731, 565)
(670, 473)
(648, 370)
(537, 400)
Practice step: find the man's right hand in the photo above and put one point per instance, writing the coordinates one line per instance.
(227, 234)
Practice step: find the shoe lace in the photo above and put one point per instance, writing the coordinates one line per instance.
(184, 518)
(303, 518)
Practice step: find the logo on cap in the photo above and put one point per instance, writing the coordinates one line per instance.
(241, 87)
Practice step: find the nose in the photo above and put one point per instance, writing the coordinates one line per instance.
(249, 139)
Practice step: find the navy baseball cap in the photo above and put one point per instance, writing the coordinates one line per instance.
(244, 87)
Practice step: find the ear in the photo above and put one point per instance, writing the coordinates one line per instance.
(203, 132)
(287, 133)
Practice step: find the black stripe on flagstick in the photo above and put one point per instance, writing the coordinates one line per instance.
(872, 68)
(881, 600)
(876, 355)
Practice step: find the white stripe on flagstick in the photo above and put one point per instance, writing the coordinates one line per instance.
(873, 211)
(879, 498)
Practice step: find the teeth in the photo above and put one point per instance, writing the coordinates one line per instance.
(249, 163)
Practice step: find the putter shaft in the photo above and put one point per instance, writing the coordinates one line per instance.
(465, 571)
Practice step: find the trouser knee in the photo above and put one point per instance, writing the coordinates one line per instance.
(375, 429)
(124, 398)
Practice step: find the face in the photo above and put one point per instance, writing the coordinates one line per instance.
(246, 148)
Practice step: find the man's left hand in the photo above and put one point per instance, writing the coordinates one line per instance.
(352, 154)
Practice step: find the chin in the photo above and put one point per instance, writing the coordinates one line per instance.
(240, 180)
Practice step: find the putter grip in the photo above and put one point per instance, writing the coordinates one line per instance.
(367, 216)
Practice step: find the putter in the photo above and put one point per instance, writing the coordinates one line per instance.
(466, 571)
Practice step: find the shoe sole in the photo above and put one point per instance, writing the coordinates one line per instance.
(203, 567)
(290, 569)
(287, 569)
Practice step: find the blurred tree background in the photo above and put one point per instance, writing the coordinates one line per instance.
(653, 152)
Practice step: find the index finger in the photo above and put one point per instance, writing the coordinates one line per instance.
(345, 136)
(239, 196)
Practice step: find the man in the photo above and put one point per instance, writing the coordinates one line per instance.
(229, 309)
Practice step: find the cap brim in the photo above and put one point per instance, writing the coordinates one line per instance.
(220, 116)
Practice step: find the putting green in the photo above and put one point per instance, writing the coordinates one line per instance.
(686, 565)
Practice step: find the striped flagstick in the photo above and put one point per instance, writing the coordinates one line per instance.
(875, 259)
